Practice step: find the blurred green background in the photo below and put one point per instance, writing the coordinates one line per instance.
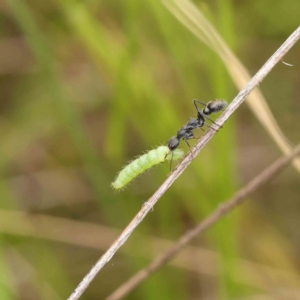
(87, 86)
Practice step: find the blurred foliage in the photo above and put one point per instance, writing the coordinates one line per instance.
(88, 85)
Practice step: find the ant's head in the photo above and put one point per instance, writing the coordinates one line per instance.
(173, 143)
(214, 106)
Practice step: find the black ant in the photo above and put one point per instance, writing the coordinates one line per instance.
(186, 131)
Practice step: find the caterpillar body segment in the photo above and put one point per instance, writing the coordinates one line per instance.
(145, 162)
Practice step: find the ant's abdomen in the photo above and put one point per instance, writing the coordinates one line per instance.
(214, 106)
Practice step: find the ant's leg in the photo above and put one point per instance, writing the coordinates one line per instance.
(195, 100)
(202, 114)
(171, 159)
(197, 108)
(180, 162)
(188, 144)
(211, 127)
(193, 138)
(190, 159)
(206, 117)
(171, 162)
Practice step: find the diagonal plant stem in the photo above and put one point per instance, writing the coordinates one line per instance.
(221, 211)
(238, 100)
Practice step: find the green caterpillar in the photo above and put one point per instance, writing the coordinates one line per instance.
(145, 162)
